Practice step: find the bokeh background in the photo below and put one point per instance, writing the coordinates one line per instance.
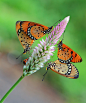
(54, 88)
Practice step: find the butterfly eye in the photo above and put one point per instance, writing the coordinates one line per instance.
(48, 68)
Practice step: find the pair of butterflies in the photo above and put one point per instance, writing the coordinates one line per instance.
(28, 32)
(63, 66)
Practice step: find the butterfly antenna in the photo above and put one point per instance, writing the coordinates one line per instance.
(63, 36)
(56, 22)
(44, 75)
(19, 56)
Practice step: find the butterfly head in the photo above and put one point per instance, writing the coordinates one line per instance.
(60, 45)
(49, 66)
(48, 30)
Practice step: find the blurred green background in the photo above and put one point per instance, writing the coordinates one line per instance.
(47, 12)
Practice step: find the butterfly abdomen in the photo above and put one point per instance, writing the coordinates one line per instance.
(24, 61)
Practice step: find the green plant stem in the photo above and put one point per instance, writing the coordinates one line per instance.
(10, 90)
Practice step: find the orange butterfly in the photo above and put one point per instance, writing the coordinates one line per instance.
(63, 66)
(66, 70)
(66, 54)
(28, 32)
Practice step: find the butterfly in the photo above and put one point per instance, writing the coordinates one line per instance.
(28, 32)
(66, 55)
(65, 69)
(63, 66)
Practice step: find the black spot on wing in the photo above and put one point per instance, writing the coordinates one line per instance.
(75, 55)
(76, 76)
(28, 24)
(71, 52)
(21, 23)
(21, 40)
(80, 60)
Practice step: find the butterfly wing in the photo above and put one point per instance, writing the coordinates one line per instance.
(28, 32)
(25, 41)
(66, 70)
(66, 54)
(34, 30)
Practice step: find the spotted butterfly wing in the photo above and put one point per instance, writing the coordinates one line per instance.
(28, 32)
(66, 70)
(66, 54)
(25, 41)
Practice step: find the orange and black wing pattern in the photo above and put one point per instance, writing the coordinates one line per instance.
(28, 32)
(66, 54)
(63, 66)
(66, 70)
